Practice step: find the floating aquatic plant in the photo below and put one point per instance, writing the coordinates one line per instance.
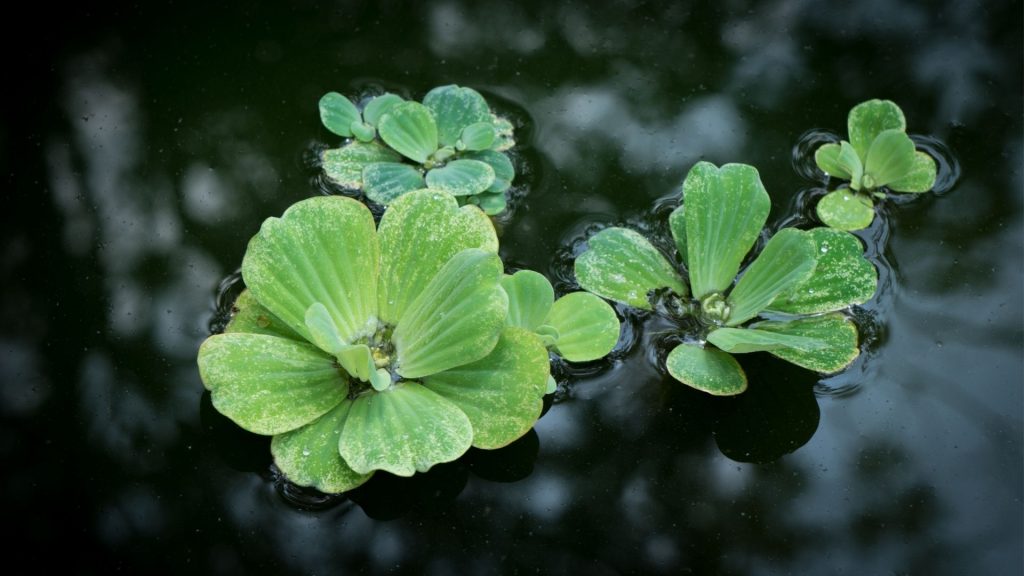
(362, 349)
(796, 285)
(879, 154)
(451, 142)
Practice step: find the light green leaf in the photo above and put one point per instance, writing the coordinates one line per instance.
(455, 108)
(548, 334)
(490, 203)
(385, 181)
(505, 134)
(725, 210)
(379, 106)
(552, 385)
(357, 360)
(587, 327)
(890, 158)
(846, 210)
(403, 430)
(344, 166)
(477, 136)
(499, 162)
(269, 385)
(622, 265)
(461, 177)
(502, 393)
(309, 456)
(338, 113)
(743, 340)
(869, 119)
(786, 260)
(852, 164)
(456, 319)
(530, 297)
(677, 223)
(251, 317)
(706, 369)
(363, 131)
(322, 330)
(919, 178)
(842, 277)
(836, 331)
(419, 233)
(827, 157)
(409, 128)
(323, 249)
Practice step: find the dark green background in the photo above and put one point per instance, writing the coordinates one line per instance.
(142, 145)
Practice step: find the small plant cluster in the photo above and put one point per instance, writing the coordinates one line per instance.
(451, 142)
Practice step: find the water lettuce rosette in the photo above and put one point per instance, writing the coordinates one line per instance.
(362, 349)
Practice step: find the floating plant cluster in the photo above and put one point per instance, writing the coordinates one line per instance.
(395, 346)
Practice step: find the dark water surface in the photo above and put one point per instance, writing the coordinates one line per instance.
(143, 146)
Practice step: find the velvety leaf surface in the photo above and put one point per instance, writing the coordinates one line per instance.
(677, 224)
(403, 430)
(890, 158)
(323, 249)
(587, 327)
(502, 393)
(725, 210)
(706, 369)
(827, 159)
(344, 166)
(836, 331)
(787, 260)
(744, 340)
(419, 233)
(845, 210)
(309, 456)
(383, 182)
(338, 113)
(409, 128)
(461, 177)
(251, 317)
(478, 136)
(456, 319)
(499, 162)
(842, 277)
(269, 385)
(622, 265)
(869, 119)
(379, 106)
(455, 108)
(530, 297)
(920, 177)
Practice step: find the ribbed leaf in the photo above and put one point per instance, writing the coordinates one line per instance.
(725, 210)
(786, 260)
(919, 178)
(383, 182)
(530, 297)
(338, 113)
(827, 157)
(846, 210)
(835, 331)
(490, 203)
(379, 106)
(461, 177)
(842, 277)
(323, 249)
(869, 119)
(455, 108)
(890, 158)
(622, 265)
(269, 385)
(706, 369)
(409, 128)
(587, 327)
(477, 136)
(419, 233)
(744, 340)
(498, 161)
(456, 319)
(403, 430)
(344, 166)
(502, 393)
(309, 456)
(251, 317)
(677, 223)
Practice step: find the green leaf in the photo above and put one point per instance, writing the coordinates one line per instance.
(743, 340)
(919, 178)
(842, 277)
(677, 223)
(269, 385)
(869, 119)
(587, 327)
(419, 233)
(461, 177)
(548, 334)
(251, 317)
(409, 128)
(706, 369)
(362, 131)
(846, 210)
(338, 113)
(477, 136)
(403, 430)
(530, 297)
(622, 265)
(455, 108)
(504, 171)
(323, 249)
(490, 203)
(827, 157)
(725, 210)
(379, 106)
(505, 134)
(456, 319)
(786, 260)
(309, 456)
(322, 330)
(890, 158)
(835, 331)
(344, 166)
(385, 181)
(852, 164)
(502, 393)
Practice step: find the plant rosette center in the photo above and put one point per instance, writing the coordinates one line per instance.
(362, 349)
